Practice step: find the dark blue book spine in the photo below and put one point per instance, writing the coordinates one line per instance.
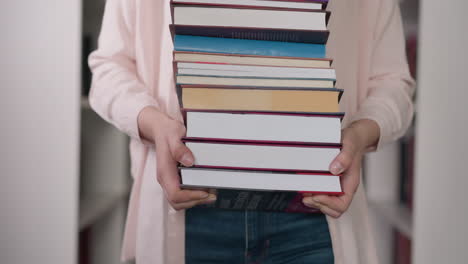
(231, 199)
(248, 47)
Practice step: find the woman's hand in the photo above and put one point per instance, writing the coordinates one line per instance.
(166, 133)
(356, 139)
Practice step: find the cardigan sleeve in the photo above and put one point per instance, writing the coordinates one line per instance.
(390, 87)
(117, 94)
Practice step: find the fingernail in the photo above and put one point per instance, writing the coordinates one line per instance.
(336, 168)
(316, 199)
(186, 160)
(211, 197)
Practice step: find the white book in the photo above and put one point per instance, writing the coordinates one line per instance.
(252, 60)
(255, 82)
(266, 157)
(264, 127)
(256, 180)
(249, 18)
(211, 69)
(280, 4)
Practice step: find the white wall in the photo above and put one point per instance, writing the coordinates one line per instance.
(39, 136)
(441, 208)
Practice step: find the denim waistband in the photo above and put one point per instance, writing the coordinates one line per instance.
(222, 236)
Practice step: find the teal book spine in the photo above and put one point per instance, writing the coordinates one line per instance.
(248, 47)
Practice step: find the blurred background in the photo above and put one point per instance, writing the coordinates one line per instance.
(65, 177)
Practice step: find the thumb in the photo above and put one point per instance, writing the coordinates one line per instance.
(344, 160)
(182, 154)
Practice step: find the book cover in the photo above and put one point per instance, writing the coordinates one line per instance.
(261, 100)
(258, 127)
(235, 11)
(268, 34)
(292, 4)
(334, 114)
(301, 34)
(260, 71)
(253, 81)
(225, 58)
(402, 248)
(262, 156)
(269, 198)
(203, 44)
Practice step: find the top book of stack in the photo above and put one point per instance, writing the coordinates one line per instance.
(290, 21)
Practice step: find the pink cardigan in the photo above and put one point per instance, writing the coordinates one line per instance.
(132, 69)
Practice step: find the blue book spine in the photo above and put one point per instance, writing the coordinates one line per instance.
(248, 47)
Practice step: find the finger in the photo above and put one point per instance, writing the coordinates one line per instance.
(169, 178)
(164, 160)
(350, 181)
(339, 204)
(175, 194)
(323, 208)
(186, 205)
(180, 129)
(349, 184)
(183, 196)
(330, 212)
(167, 172)
(181, 153)
(343, 161)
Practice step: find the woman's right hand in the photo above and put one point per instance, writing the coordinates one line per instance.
(166, 134)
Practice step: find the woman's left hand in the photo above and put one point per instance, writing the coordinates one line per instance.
(355, 140)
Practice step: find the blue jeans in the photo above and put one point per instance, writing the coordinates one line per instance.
(253, 237)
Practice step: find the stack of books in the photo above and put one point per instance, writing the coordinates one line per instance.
(259, 100)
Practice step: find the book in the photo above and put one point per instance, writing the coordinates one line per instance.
(236, 70)
(402, 248)
(310, 5)
(260, 98)
(250, 126)
(308, 26)
(406, 181)
(275, 49)
(249, 17)
(251, 59)
(262, 156)
(253, 81)
(256, 190)
(259, 101)
(260, 180)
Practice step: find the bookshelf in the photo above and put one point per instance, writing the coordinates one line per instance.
(436, 227)
(104, 187)
(94, 207)
(396, 215)
(84, 103)
(386, 171)
(104, 164)
(381, 172)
